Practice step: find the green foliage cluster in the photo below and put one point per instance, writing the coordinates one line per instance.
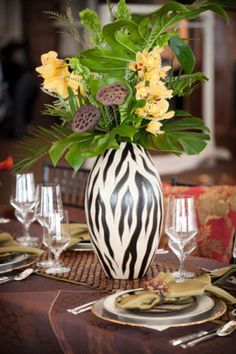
(114, 46)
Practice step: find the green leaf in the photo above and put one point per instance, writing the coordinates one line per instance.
(104, 61)
(109, 34)
(32, 148)
(125, 131)
(181, 113)
(75, 157)
(190, 146)
(72, 101)
(126, 42)
(185, 124)
(183, 53)
(167, 143)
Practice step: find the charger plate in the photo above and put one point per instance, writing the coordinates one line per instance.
(23, 261)
(207, 309)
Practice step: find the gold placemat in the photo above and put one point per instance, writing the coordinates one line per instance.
(86, 270)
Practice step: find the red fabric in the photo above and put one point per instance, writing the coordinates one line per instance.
(6, 164)
(216, 216)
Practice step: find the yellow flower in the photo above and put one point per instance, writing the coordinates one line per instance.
(148, 64)
(156, 73)
(142, 90)
(154, 127)
(55, 74)
(74, 81)
(158, 89)
(156, 110)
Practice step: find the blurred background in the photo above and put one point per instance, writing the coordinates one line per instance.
(26, 32)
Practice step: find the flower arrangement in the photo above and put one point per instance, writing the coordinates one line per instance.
(119, 90)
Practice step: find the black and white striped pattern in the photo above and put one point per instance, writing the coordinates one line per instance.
(124, 208)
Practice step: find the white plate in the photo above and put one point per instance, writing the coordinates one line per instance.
(204, 305)
(14, 260)
(82, 246)
(25, 261)
(217, 311)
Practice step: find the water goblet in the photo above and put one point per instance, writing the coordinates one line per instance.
(181, 228)
(57, 237)
(30, 218)
(48, 199)
(23, 200)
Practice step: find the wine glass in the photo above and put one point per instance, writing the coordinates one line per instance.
(56, 238)
(48, 199)
(181, 227)
(23, 200)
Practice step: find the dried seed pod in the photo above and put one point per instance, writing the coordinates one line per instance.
(112, 94)
(86, 118)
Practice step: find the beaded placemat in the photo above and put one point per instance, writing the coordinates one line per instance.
(86, 270)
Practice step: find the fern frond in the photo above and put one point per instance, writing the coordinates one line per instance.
(66, 21)
(111, 9)
(32, 148)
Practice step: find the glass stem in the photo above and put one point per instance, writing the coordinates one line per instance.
(57, 259)
(26, 230)
(181, 264)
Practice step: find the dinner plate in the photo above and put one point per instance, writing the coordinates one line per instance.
(204, 305)
(12, 260)
(83, 246)
(216, 311)
(25, 261)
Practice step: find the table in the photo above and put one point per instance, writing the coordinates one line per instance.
(34, 320)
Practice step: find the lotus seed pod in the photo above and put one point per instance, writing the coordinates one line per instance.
(112, 94)
(86, 118)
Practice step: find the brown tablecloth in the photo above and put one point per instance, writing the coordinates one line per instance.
(33, 319)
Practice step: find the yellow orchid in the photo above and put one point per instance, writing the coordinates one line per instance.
(55, 74)
(154, 127)
(158, 89)
(142, 90)
(147, 62)
(155, 110)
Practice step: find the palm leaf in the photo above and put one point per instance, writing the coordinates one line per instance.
(32, 148)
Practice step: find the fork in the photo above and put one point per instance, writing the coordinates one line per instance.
(17, 277)
(84, 307)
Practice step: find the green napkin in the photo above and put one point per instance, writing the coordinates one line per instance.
(79, 232)
(219, 275)
(173, 291)
(8, 245)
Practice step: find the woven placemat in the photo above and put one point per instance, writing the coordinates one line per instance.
(86, 270)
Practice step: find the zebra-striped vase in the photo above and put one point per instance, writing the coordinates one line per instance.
(124, 209)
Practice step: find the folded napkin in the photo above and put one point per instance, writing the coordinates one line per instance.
(168, 290)
(219, 275)
(8, 245)
(79, 232)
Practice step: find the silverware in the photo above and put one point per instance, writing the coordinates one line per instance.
(17, 277)
(225, 330)
(84, 309)
(4, 220)
(188, 337)
(78, 309)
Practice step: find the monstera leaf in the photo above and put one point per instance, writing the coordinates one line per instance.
(185, 135)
